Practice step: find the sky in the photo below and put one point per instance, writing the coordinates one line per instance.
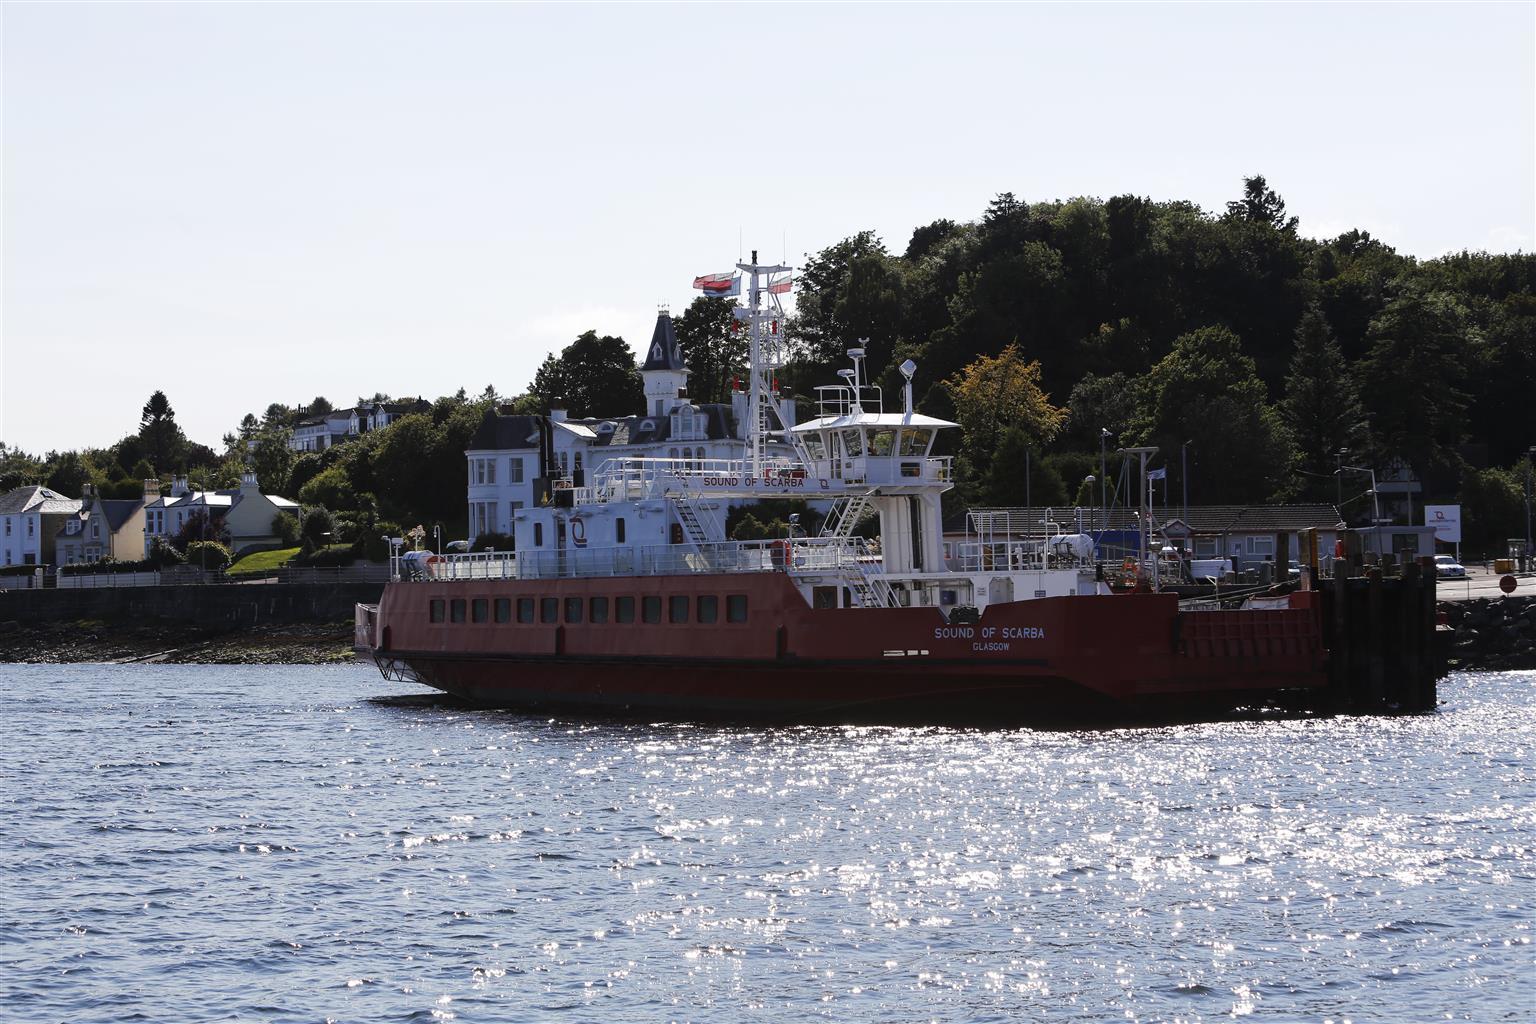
(240, 204)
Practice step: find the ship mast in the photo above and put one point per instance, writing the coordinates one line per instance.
(765, 355)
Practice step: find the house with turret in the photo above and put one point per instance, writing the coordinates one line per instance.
(512, 456)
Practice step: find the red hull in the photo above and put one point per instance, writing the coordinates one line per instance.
(1039, 658)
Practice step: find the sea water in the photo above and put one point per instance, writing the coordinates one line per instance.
(196, 843)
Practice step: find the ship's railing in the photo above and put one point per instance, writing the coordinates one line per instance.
(634, 479)
(834, 401)
(813, 554)
(1012, 555)
(637, 479)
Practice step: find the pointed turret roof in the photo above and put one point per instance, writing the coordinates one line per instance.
(664, 353)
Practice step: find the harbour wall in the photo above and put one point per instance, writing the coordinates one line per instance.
(1493, 634)
(232, 605)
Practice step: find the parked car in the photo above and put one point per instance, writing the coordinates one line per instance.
(1446, 567)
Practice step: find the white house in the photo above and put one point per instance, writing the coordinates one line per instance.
(30, 520)
(319, 432)
(509, 451)
(245, 514)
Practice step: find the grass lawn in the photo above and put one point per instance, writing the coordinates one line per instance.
(262, 561)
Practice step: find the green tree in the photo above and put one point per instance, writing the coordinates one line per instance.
(1207, 391)
(849, 292)
(69, 472)
(401, 457)
(1322, 404)
(271, 459)
(1019, 476)
(715, 351)
(164, 444)
(285, 527)
(17, 468)
(1415, 379)
(1261, 205)
(592, 376)
(330, 488)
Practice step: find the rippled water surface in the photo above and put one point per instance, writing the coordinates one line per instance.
(213, 843)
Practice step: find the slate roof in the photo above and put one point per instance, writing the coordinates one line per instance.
(719, 425)
(1257, 518)
(119, 510)
(665, 353)
(33, 498)
(499, 432)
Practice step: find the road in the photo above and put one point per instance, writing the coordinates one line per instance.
(1480, 582)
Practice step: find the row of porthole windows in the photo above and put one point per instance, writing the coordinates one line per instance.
(679, 608)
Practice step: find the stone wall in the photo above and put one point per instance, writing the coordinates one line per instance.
(1493, 634)
(232, 604)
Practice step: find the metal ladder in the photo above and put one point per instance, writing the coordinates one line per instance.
(845, 515)
(696, 522)
(869, 588)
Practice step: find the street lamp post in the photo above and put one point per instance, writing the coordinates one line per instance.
(1375, 499)
(1103, 482)
(1026, 478)
(1184, 475)
(1338, 477)
(437, 536)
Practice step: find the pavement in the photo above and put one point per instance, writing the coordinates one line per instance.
(1483, 582)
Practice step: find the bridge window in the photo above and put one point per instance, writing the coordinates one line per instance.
(677, 610)
(435, 610)
(538, 535)
(814, 447)
(736, 608)
(853, 443)
(479, 610)
(623, 609)
(549, 609)
(598, 610)
(525, 610)
(882, 441)
(618, 530)
(709, 608)
(650, 609)
(503, 609)
(915, 442)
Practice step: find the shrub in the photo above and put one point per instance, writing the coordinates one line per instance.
(374, 547)
(494, 541)
(328, 556)
(162, 554)
(286, 528)
(209, 554)
(317, 529)
(106, 566)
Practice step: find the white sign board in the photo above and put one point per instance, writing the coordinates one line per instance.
(1446, 519)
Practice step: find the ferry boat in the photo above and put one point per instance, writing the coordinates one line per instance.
(625, 595)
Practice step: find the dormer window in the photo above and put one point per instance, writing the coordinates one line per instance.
(687, 423)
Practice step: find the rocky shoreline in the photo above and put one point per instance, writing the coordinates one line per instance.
(1492, 635)
(93, 641)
